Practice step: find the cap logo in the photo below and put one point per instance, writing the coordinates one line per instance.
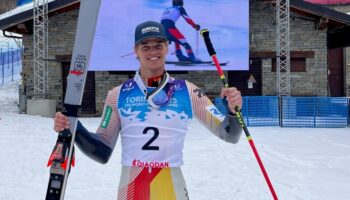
(150, 29)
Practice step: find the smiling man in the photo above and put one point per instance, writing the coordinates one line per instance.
(151, 47)
(151, 113)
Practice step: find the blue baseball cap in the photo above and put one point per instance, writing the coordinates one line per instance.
(149, 29)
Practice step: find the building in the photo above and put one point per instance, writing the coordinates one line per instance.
(320, 65)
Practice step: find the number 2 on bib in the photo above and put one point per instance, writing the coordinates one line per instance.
(148, 146)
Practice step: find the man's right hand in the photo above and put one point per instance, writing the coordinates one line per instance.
(61, 122)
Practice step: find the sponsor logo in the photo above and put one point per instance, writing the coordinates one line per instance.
(128, 87)
(139, 163)
(199, 92)
(58, 154)
(240, 119)
(177, 86)
(150, 29)
(79, 65)
(215, 112)
(107, 117)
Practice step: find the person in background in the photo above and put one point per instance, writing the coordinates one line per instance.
(151, 113)
(169, 18)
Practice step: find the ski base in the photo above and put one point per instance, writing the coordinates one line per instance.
(55, 186)
(189, 63)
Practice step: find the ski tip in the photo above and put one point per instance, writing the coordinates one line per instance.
(49, 163)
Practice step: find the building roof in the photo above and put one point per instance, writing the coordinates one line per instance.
(329, 2)
(19, 9)
(336, 19)
(24, 13)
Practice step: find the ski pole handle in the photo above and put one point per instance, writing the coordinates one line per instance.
(210, 48)
(212, 53)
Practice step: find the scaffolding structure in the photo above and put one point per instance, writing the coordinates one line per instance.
(40, 37)
(282, 48)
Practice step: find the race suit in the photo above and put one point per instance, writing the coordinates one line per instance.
(152, 139)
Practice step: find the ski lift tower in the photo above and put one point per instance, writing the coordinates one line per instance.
(282, 48)
(40, 104)
(40, 27)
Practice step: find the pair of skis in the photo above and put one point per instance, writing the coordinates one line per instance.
(62, 157)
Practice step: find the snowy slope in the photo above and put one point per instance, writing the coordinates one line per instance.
(303, 163)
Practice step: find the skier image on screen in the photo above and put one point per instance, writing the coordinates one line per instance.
(151, 113)
(169, 18)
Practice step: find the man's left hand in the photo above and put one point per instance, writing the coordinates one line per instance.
(233, 98)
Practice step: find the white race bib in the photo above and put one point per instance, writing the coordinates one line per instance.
(145, 146)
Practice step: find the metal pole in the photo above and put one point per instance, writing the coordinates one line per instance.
(282, 48)
(8, 55)
(12, 62)
(18, 54)
(2, 66)
(40, 22)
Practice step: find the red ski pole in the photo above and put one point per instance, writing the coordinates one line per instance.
(212, 53)
(197, 43)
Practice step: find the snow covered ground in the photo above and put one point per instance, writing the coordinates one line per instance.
(303, 163)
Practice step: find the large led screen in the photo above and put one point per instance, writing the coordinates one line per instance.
(227, 21)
